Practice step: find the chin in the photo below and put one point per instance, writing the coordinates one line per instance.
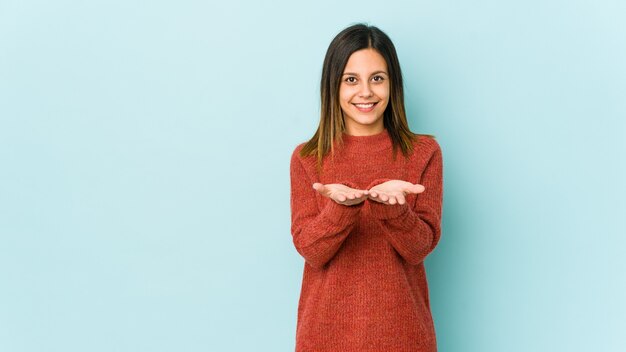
(366, 122)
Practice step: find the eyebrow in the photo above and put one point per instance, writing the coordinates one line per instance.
(356, 74)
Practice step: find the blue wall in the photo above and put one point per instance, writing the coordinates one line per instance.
(144, 169)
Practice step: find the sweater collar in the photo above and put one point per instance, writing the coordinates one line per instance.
(375, 142)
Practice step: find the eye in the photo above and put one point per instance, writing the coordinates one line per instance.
(378, 78)
(350, 79)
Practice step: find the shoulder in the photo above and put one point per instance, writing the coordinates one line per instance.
(297, 159)
(295, 154)
(426, 145)
(302, 167)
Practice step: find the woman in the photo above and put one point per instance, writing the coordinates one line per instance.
(363, 218)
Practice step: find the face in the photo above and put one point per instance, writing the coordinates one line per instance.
(364, 92)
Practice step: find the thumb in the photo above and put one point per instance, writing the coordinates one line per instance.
(318, 187)
(416, 188)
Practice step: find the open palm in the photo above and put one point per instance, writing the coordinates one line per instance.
(341, 194)
(394, 191)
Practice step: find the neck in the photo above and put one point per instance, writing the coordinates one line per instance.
(365, 130)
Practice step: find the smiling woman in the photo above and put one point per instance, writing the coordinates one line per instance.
(364, 92)
(363, 219)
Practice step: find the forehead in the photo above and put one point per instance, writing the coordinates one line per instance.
(365, 61)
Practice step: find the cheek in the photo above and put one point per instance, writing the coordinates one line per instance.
(383, 92)
(384, 97)
(345, 95)
(344, 89)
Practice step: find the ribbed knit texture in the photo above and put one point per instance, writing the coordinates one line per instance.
(364, 283)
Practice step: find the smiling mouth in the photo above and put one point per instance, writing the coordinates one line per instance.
(365, 106)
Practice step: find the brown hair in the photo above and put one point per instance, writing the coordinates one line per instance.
(351, 39)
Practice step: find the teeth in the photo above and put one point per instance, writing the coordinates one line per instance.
(365, 106)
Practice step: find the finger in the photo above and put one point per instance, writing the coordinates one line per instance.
(373, 194)
(401, 199)
(351, 196)
(319, 187)
(392, 200)
(376, 199)
(384, 197)
(341, 198)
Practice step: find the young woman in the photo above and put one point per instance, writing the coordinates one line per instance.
(363, 217)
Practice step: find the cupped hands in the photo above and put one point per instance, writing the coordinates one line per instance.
(389, 192)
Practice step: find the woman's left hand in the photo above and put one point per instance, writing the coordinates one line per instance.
(394, 191)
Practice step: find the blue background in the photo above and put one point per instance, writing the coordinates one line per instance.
(144, 169)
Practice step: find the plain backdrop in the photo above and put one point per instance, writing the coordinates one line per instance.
(144, 169)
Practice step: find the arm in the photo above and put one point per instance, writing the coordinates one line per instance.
(414, 231)
(317, 235)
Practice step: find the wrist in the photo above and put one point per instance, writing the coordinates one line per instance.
(382, 211)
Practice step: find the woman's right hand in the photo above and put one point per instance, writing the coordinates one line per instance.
(341, 194)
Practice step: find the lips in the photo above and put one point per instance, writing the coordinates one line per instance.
(365, 107)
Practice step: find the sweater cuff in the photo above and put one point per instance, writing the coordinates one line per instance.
(340, 214)
(383, 211)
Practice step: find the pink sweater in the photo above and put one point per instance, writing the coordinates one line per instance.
(364, 285)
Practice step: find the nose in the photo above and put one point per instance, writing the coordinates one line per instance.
(365, 90)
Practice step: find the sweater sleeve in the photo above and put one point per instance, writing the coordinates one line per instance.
(414, 231)
(317, 234)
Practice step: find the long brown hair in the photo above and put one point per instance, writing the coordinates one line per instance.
(351, 39)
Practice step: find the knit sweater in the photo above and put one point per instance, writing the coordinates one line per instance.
(364, 284)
